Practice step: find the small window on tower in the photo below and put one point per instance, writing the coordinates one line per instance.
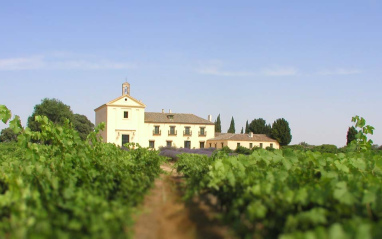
(126, 114)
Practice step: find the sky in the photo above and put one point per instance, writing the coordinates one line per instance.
(314, 63)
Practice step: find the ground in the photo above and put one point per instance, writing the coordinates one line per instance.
(164, 215)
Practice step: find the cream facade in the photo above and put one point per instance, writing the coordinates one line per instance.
(245, 140)
(127, 122)
(179, 135)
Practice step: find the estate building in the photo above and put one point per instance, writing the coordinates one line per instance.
(127, 122)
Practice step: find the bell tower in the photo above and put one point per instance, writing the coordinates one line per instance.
(125, 88)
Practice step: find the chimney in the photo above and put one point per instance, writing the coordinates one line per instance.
(169, 111)
(162, 111)
(251, 134)
(210, 118)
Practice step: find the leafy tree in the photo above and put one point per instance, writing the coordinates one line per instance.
(7, 135)
(259, 126)
(247, 128)
(218, 125)
(351, 135)
(58, 112)
(83, 125)
(281, 132)
(54, 109)
(232, 126)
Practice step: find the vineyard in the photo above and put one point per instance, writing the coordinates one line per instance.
(291, 194)
(55, 185)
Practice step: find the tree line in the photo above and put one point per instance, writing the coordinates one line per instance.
(279, 130)
(57, 112)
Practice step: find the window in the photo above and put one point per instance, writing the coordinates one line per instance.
(222, 145)
(202, 145)
(187, 131)
(170, 117)
(271, 146)
(156, 130)
(172, 130)
(125, 114)
(187, 144)
(168, 143)
(238, 145)
(151, 144)
(125, 139)
(250, 145)
(210, 145)
(261, 145)
(202, 131)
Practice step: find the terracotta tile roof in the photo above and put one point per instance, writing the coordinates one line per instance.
(151, 117)
(242, 137)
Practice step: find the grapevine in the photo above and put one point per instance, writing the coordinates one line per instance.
(55, 185)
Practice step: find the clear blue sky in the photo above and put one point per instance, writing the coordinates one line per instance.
(314, 63)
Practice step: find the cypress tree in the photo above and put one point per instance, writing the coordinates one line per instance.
(242, 130)
(232, 126)
(218, 125)
(247, 128)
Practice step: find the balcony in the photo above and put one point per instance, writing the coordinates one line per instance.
(202, 133)
(157, 132)
(173, 133)
(187, 133)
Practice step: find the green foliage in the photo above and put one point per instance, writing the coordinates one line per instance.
(259, 126)
(58, 113)
(281, 132)
(82, 125)
(247, 128)
(292, 194)
(362, 142)
(5, 114)
(325, 148)
(69, 188)
(226, 150)
(351, 135)
(242, 130)
(7, 135)
(232, 126)
(218, 125)
(243, 150)
(54, 110)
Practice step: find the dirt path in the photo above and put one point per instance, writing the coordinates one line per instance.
(165, 216)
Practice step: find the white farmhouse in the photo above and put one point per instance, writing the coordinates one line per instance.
(127, 122)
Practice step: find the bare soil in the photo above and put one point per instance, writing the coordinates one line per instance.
(164, 215)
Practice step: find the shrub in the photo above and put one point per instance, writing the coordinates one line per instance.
(243, 150)
(226, 149)
(326, 148)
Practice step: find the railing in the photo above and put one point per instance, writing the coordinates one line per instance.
(156, 132)
(175, 133)
(189, 133)
(202, 133)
